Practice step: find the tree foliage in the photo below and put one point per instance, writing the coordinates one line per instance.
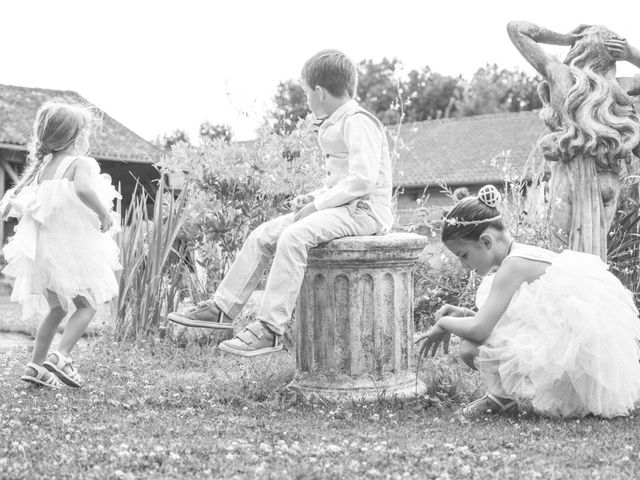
(430, 95)
(290, 107)
(168, 140)
(493, 90)
(215, 132)
(379, 89)
(421, 94)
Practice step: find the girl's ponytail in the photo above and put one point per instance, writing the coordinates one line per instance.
(37, 153)
(56, 128)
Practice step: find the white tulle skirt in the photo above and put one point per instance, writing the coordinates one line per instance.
(568, 342)
(58, 248)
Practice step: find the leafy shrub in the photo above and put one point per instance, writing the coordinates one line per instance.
(235, 188)
(439, 279)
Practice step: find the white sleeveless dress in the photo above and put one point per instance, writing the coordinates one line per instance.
(58, 245)
(568, 341)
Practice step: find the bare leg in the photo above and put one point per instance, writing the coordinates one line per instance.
(468, 353)
(76, 325)
(47, 329)
(490, 402)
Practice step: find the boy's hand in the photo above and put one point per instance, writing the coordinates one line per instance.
(432, 340)
(618, 48)
(308, 209)
(299, 202)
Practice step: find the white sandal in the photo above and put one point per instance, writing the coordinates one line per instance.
(497, 405)
(58, 366)
(42, 377)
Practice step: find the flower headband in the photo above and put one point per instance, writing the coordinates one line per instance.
(490, 196)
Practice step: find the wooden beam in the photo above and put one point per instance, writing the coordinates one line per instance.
(11, 146)
(12, 173)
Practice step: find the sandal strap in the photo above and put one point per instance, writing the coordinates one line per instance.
(64, 362)
(503, 405)
(42, 372)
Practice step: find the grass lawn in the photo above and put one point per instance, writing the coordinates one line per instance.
(159, 411)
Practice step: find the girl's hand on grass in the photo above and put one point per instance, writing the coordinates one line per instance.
(432, 340)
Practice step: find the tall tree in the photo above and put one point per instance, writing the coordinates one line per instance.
(379, 88)
(215, 132)
(493, 90)
(430, 95)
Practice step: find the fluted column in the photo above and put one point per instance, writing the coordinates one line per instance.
(355, 317)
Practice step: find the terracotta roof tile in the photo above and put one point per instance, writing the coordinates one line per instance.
(460, 150)
(114, 141)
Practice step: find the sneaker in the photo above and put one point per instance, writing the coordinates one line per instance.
(255, 340)
(204, 315)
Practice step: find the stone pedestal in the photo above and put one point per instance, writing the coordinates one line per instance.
(355, 318)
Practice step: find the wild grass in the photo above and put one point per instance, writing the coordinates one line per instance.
(153, 262)
(150, 410)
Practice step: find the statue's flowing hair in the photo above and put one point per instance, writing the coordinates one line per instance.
(597, 119)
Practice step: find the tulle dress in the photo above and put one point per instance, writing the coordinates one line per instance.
(568, 341)
(58, 245)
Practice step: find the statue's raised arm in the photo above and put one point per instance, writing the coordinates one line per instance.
(593, 128)
(620, 49)
(527, 38)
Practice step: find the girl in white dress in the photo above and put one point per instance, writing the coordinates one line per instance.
(62, 252)
(557, 329)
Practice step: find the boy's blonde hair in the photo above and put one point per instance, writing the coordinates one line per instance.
(333, 70)
(57, 126)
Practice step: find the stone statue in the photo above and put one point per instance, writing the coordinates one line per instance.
(594, 128)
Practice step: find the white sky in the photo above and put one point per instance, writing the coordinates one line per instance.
(160, 65)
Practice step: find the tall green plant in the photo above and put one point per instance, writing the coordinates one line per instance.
(152, 265)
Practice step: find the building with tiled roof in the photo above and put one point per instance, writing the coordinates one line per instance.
(462, 152)
(121, 153)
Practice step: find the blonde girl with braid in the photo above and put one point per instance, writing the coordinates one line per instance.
(62, 255)
(558, 330)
